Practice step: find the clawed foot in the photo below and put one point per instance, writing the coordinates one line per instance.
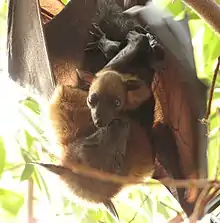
(137, 38)
(99, 35)
(108, 47)
(145, 41)
(141, 29)
(146, 32)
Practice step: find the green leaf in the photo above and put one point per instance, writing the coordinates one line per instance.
(65, 1)
(109, 218)
(11, 201)
(79, 211)
(91, 217)
(12, 166)
(31, 120)
(176, 7)
(192, 14)
(26, 156)
(32, 104)
(36, 178)
(27, 172)
(29, 139)
(2, 155)
(45, 186)
(163, 210)
(41, 183)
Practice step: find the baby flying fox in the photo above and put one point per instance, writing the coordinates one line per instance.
(122, 147)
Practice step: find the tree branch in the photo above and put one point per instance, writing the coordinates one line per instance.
(209, 10)
(30, 215)
(212, 89)
(87, 171)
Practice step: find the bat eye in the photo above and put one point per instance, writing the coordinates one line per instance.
(117, 102)
(93, 99)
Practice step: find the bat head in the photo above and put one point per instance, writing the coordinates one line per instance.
(111, 93)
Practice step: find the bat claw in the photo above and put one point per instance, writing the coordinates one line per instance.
(94, 34)
(92, 45)
(142, 38)
(139, 38)
(89, 48)
(95, 25)
(140, 29)
(100, 33)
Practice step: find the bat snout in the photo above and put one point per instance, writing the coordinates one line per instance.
(102, 117)
(98, 123)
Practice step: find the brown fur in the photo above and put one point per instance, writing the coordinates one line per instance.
(71, 119)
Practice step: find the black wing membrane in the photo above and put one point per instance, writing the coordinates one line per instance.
(28, 62)
(34, 50)
(68, 32)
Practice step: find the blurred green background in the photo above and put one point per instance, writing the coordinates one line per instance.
(24, 137)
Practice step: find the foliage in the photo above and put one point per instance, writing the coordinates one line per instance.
(25, 140)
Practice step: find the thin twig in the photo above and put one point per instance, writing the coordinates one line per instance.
(61, 2)
(14, 167)
(171, 208)
(30, 216)
(135, 215)
(208, 193)
(218, 160)
(105, 176)
(178, 218)
(212, 89)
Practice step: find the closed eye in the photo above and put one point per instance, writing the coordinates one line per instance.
(92, 99)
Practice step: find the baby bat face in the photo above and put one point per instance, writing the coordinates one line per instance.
(107, 96)
(110, 93)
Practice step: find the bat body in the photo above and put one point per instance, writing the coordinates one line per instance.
(120, 148)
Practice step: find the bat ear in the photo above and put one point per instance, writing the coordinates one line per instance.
(137, 92)
(84, 79)
(132, 85)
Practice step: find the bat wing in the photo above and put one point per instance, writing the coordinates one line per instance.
(67, 35)
(28, 62)
(38, 58)
(180, 95)
(180, 98)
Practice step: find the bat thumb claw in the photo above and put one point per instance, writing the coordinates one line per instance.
(110, 206)
(59, 170)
